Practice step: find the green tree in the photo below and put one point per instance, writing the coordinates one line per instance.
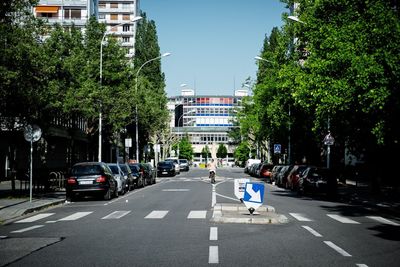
(185, 149)
(222, 152)
(205, 152)
(241, 153)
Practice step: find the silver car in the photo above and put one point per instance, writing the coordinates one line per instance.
(119, 177)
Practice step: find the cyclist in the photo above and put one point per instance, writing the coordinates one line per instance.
(212, 168)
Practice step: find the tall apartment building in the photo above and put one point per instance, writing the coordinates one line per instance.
(66, 12)
(206, 120)
(115, 12)
(110, 12)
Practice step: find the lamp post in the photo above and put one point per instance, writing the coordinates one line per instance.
(135, 19)
(136, 108)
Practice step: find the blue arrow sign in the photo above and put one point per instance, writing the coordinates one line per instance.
(277, 148)
(254, 192)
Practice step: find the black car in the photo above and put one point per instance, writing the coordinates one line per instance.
(127, 175)
(137, 173)
(152, 173)
(91, 178)
(315, 179)
(166, 168)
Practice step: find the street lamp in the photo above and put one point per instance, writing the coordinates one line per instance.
(294, 18)
(136, 109)
(135, 19)
(263, 59)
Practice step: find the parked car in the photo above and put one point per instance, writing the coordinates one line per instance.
(316, 179)
(150, 173)
(136, 174)
(281, 180)
(127, 175)
(119, 177)
(184, 165)
(250, 162)
(166, 168)
(176, 164)
(275, 171)
(293, 177)
(91, 178)
(266, 171)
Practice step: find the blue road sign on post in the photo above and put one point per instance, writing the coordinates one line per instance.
(277, 148)
(253, 196)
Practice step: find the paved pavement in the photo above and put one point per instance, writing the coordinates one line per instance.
(12, 206)
(17, 204)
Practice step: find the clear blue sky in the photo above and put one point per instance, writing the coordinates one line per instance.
(213, 42)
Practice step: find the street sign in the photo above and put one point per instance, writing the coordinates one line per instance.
(277, 148)
(239, 187)
(253, 196)
(157, 148)
(128, 142)
(329, 140)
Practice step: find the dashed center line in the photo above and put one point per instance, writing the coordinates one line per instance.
(213, 255)
(213, 233)
(300, 217)
(342, 219)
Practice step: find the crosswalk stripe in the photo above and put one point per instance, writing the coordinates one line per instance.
(300, 217)
(213, 254)
(35, 218)
(312, 231)
(27, 229)
(213, 233)
(76, 216)
(197, 214)
(342, 219)
(337, 249)
(157, 214)
(116, 215)
(383, 220)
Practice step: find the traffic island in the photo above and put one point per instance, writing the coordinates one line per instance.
(238, 213)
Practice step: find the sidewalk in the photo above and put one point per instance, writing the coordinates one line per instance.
(12, 206)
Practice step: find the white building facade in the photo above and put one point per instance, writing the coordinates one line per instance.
(206, 120)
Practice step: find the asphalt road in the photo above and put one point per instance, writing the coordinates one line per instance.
(168, 224)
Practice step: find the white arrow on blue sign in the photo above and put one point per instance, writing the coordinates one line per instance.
(253, 195)
(277, 148)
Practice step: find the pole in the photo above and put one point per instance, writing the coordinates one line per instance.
(289, 143)
(30, 174)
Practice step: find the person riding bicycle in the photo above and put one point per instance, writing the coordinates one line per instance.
(212, 168)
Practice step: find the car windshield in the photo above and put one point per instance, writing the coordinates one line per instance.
(165, 164)
(114, 169)
(134, 168)
(124, 169)
(183, 160)
(86, 169)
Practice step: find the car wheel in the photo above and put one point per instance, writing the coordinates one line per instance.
(70, 197)
(107, 195)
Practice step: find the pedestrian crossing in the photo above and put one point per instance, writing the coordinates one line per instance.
(115, 215)
(345, 220)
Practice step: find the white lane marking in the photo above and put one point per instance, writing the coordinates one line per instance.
(175, 190)
(300, 217)
(383, 220)
(361, 265)
(51, 221)
(342, 219)
(213, 254)
(213, 196)
(27, 229)
(156, 214)
(217, 213)
(3, 236)
(213, 233)
(197, 214)
(231, 198)
(35, 218)
(76, 216)
(337, 249)
(116, 215)
(312, 231)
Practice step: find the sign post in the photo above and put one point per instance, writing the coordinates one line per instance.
(253, 196)
(328, 141)
(240, 187)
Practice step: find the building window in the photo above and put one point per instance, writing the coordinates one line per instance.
(114, 5)
(125, 6)
(126, 17)
(113, 16)
(126, 28)
(102, 5)
(125, 39)
(72, 13)
(113, 28)
(102, 16)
